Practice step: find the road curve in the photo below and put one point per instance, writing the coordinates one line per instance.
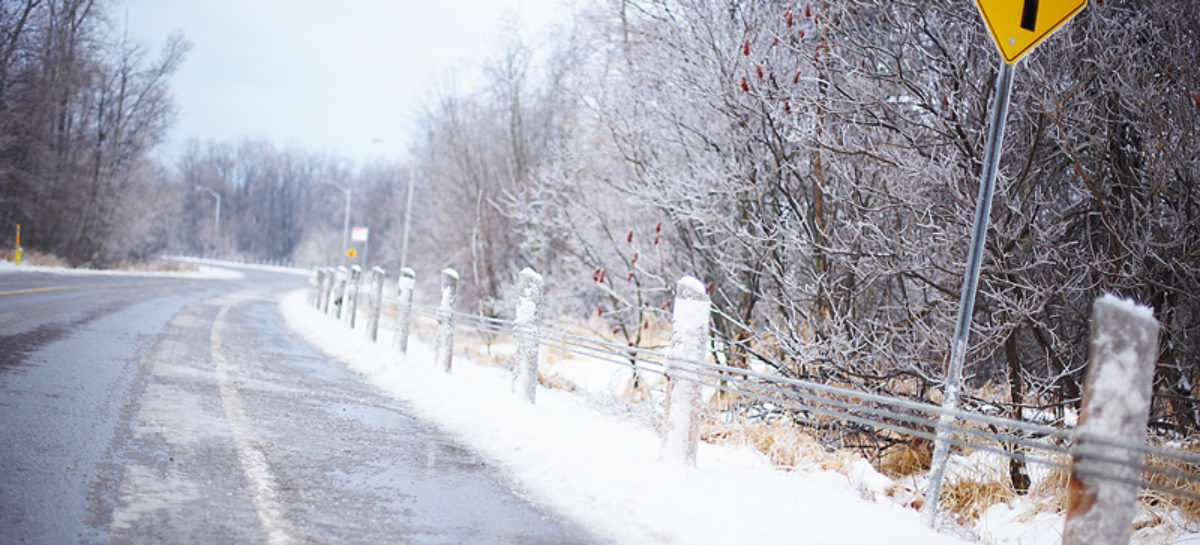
(151, 410)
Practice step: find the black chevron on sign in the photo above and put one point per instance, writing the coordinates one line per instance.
(1029, 15)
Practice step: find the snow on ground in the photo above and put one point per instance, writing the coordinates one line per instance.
(602, 469)
(203, 271)
(202, 262)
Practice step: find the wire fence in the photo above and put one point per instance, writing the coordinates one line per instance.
(1172, 471)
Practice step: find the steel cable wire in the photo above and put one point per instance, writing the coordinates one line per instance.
(622, 355)
(1036, 429)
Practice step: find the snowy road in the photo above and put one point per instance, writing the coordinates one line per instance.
(141, 409)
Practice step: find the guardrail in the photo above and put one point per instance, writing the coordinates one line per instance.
(1110, 460)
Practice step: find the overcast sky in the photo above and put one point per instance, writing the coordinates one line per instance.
(345, 76)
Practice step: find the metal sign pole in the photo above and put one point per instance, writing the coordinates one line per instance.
(966, 304)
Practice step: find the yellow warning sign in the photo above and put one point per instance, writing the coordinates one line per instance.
(1018, 25)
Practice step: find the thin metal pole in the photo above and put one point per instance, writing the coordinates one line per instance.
(346, 221)
(966, 304)
(412, 176)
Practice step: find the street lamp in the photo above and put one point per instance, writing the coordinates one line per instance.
(346, 220)
(412, 176)
(217, 216)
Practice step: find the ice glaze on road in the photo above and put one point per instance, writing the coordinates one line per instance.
(184, 411)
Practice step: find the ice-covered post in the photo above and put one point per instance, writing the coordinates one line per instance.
(408, 279)
(314, 283)
(352, 288)
(323, 296)
(1102, 494)
(327, 289)
(689, 337)
(339, 291)
(445, 313)
(377, 276)
(528, 320)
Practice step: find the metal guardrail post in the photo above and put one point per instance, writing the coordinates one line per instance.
(689, 337)
(377, 276)
(445, 338)
(352, 289)
(527, 322)
(408, 279)
(1103, 491)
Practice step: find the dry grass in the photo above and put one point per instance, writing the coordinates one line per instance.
(1049, 494)
(907, 458)
(34, 257)
(784, 444)
(968, 496)
(1187, 507)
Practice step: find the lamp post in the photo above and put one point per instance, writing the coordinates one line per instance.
(217, 215)
(346, 219)
(412, 176)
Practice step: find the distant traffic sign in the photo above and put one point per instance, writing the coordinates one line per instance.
(1018, 25)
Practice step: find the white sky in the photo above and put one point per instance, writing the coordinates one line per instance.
(344, 76)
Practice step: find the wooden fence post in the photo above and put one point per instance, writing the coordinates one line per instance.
(528, 321)
(1103, 491)
(689, 340)
(445, 312)
(408, 279)
(377, 276)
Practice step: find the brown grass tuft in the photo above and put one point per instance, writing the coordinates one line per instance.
(1049, 494)
(967, 497)
(907, 458)
(784, 444)
(1188, 507)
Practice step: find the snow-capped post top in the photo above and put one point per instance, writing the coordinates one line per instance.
(449, 287)
(1103, 490)
(407, 278)
(691, 288)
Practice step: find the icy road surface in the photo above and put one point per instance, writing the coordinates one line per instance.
(139, 409)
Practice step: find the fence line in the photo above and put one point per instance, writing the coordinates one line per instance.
(1108, 459)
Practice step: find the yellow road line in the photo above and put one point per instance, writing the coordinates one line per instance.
(95, 287)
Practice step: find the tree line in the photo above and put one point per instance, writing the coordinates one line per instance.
(80, 107)
(817, 163)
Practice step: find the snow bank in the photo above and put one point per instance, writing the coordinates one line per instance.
(603, 470)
